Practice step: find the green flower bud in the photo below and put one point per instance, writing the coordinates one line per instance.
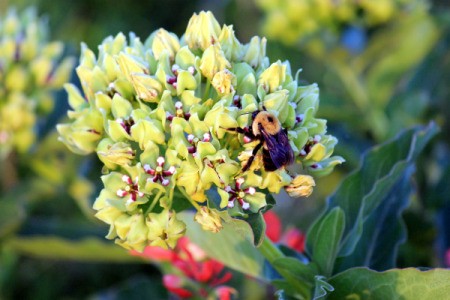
(130, 65)
(325, 166)
(273, 77)
(84, 133)
(202, 31)
(246, 79)
(147, 87)
(231, 47)
(209, 219)
(301, 186)
(255, 51)
(112, 154)
(224, 82)
(213, 61)
(316, 153)
(165, 41)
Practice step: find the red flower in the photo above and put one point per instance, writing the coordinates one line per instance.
(203, 275)
(174, 285)
(156, 254)
(273, 226)
(225, 293)
(194, 265)
(293, 238)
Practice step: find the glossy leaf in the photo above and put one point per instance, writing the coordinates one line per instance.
(326, 240)
(258, 226)
(303, 272)
(322, 288)
(383, 231)
(363, 191)
(396, 284)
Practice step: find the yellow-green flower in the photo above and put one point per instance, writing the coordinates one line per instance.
(209, 219)
(301, 186)
(162, 117)
(300, 21)
(30, 71)
(164, 229)
(202, 31)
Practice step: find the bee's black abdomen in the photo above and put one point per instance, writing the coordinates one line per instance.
(269, 165)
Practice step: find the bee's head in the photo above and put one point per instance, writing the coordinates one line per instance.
(266, 121)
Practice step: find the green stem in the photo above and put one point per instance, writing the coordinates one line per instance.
(270, 251)
(207, 88)
(194, 204)
(155, 200)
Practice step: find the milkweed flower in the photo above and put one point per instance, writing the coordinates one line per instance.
(157, 111)
(31, 69)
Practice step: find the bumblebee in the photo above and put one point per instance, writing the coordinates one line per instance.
(273, 139)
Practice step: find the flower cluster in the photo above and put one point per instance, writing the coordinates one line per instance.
(30, 70)
(193, 275)
(292, 21)
(158, 114)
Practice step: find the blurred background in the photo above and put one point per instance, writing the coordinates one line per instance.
(382, 66)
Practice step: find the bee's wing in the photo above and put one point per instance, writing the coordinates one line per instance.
(279, 148)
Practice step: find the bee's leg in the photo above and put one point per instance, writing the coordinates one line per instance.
(250, 160)
(237, 129)
(245, 131)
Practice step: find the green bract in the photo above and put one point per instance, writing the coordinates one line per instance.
(157, 112)
(30, 69)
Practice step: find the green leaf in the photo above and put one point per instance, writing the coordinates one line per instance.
(383, 231)
(301, 271)
(363, 283)
(299, 276)
(325, 243)
(258, 226)
(87, 249)
(285, 290)
(233, 245)
(322, 288)
(363, 191)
